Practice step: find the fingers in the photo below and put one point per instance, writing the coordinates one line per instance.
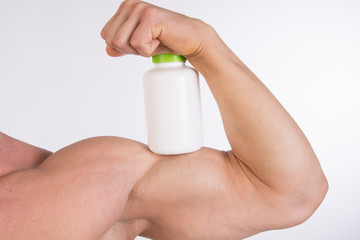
(131, 30)
(105, 31)
(118, 31)
(143, 41)
(121, 40)
(113, 52)
(144, 29)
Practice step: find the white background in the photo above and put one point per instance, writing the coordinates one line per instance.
(58, 86)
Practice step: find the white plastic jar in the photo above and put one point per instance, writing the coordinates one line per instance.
(172, 105)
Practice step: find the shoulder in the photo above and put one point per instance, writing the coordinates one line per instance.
(5, 165)
(16, 155)
(61, 192)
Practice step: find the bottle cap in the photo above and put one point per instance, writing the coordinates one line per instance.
(163, 58)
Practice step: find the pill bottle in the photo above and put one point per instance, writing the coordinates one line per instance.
(172, 106)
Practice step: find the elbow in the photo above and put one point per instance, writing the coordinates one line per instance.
(304, 204)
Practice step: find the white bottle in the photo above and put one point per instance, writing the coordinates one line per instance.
(172, 104)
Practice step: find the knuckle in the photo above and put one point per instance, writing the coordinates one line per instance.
(138, 8)
(119, 42)
(135, 43)
(141, 5)
(103, 34)
(150, 12)
(198, 22)
(128, 3)
(125, 6)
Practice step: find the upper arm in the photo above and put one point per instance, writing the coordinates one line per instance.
(209, 187)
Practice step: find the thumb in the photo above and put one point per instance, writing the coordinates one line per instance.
(162, 49)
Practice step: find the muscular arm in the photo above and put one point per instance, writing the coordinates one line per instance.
(263, 136)
(270, 148)
(276, 169)
(270, 179)
(265, 140)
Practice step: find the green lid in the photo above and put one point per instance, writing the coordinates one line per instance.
(162, 58)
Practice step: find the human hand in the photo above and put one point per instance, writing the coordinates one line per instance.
(143, 29)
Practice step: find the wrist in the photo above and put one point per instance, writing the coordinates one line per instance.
(208, 37)
(213, 56)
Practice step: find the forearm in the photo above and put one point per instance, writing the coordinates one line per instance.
(260, 131)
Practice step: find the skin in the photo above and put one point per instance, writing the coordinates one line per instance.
(115, 188)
